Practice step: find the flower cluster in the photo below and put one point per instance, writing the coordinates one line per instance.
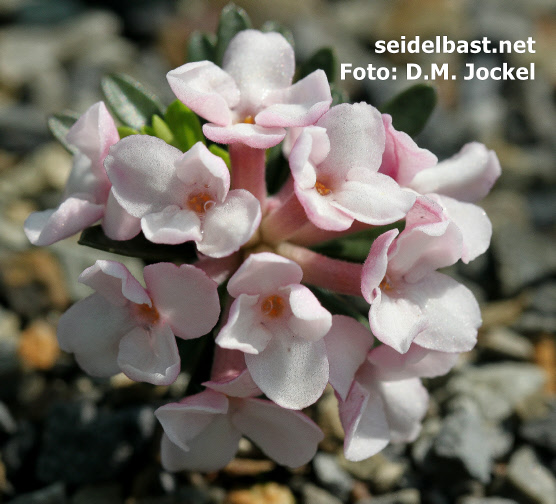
(350, 171)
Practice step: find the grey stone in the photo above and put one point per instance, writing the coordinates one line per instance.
(486, 500)
(463, 438)
(497, 388)
(544, 298)
(525, 257)
(9, 334)
(536, 322)
(405, 496)
(312, 494)
(382, 473)
(332, 476)
(529, 477)
(111, 493)
(505, 343)
(53, 494)
(541, 431)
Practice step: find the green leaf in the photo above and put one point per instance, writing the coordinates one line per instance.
(340, 305)
(411, 109)
(130, 102)
(59, 125)
(161, 129)
(338, 95)
(220, 152)
(139, 247)
(324, 59)
(233, 19)
(147, 130)
(202, 46)
(184, 126)
(125, 131)
(274, 26)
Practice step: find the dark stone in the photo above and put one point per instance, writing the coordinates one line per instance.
(541, 431)
(53, 494)
(83, 444)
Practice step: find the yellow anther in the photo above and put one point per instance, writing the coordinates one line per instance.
(273, 306)
(322, 189)
(249, 120)
(148, 314)
(200, 202)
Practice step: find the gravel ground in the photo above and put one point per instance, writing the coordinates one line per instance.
(490, 433)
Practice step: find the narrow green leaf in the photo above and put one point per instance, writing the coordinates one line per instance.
(184, 126)
(125, 131)
(202, 46)
(220, 152)
(130, 102)
(411, 109)
(233, 19)
(59, 125)
(338, 95)
(325, 59)
(147, 130)
(162, 130)
(138, 247)
(274, 26)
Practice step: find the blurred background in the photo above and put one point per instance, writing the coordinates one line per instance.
(490, 434)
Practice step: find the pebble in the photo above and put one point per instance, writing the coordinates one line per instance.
(110, 493)
(405, 496)
(9, 337)
(530, 478)
(497, 388)
(312, 494)
(544, 298)
(541, 432)
(505, 343)
(53, 494)
(38, 346)
(486, 500)
(383, 474)
(83, 444)
(264, 494)
(329, 473)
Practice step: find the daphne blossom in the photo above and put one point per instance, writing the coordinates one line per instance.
(251, 99)
(126, 327)
(181, 196)
(279, 324)
(86, 198)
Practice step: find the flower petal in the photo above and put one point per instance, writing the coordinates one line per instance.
(210, 451)
(185, 298)
(251, 135)
(230, 225)
(73, 215)
(372, 198)
(347, 345)
(376, 264)
(258, 62)
(288, 437)
(310, 320)
(91, 329)
(185, 420)
(321, 212)
(113, 281)
(171, 226)
(144, 180)
(117, 224)
(150, 355)
(309, 150)
(241, 385)
(264, 273)
(467, 176)
(206, 89)
(364, 421)
(405, 403)
(243, 330)
(291, 371)
(299, 105)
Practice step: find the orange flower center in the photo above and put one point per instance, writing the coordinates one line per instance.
(148, 314)
(322, 189)
(249, 120)
(273, 306)
(200, 202)
(385, 284)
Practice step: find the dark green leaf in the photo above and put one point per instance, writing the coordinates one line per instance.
(184, 125)
(202, 46)
(130, 102)
(340, 305)
(233, 19)
(59, 125)
(411, 109)
(274, 26)
(325, 59)
(162, 130)
(138, 247)
(125, 131)
(220, 152)
(338, 95)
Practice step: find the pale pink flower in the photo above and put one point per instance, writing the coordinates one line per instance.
(381, 398)
(180, 196)
(126, 327)
(251, 99)
(86, 198)
(335, 167)
(279, 325)
(410, 301)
